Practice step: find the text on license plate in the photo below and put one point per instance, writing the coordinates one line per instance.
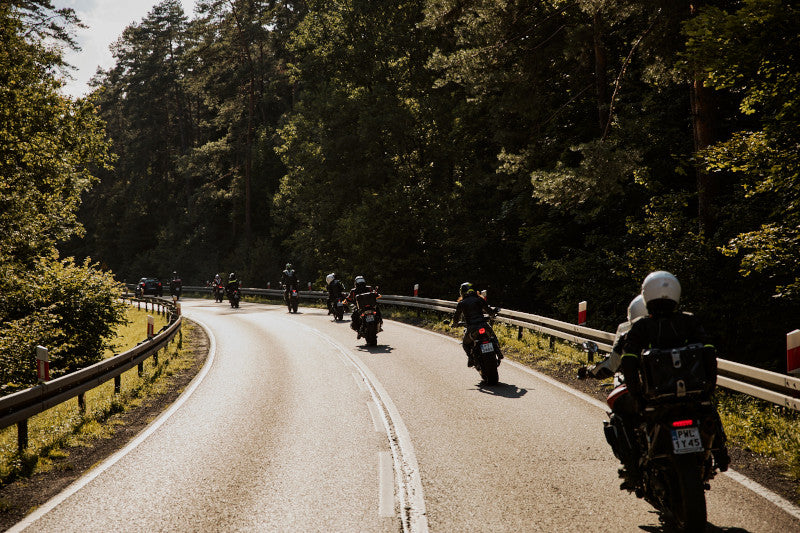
(370, 318)
(487, 347)
(686, 440)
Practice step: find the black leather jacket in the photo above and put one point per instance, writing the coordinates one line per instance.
(472, 308)
(289, 279)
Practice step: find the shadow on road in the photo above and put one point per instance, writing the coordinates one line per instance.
(506, 390)
(710, 528)
(381, 348)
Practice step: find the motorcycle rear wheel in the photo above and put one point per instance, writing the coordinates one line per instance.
(294, 306)
(489, 368)
(688, 495)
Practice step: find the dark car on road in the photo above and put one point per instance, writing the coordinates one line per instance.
(151, 286)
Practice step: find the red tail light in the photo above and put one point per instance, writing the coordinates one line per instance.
(682, 423)
(482, 331)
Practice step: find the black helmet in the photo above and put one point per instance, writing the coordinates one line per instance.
(466, 288)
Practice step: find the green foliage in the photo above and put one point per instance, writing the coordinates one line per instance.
(70, 309)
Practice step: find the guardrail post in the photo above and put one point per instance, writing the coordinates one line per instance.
(519, 333)
(43, 363)
(552, 343)
(582, 313)
(117, 384)
(22, 435)
(81, 403)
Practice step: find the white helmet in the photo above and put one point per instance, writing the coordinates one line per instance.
(329, 278)
(636, 308)
(661, 285)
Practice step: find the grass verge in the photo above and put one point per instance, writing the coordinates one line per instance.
(54, 431)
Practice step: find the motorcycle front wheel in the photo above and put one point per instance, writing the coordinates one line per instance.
(688, 496)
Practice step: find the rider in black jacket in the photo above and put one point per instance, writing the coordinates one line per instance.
(289, 280)
(473, 308)
(666, 328)
(335, 290)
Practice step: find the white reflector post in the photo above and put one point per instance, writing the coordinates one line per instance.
(793, 352)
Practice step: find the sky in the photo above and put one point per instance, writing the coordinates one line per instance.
(105, 20)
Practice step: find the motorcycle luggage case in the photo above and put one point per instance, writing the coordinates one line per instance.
(677, 372)
(366, 299)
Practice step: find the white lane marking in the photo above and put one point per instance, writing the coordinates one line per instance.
(375, 413)
(386, 484)
(740, 478)
(108, 463)
(408, 481)
(359, 380)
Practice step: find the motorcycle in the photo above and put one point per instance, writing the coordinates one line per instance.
(338, 308)
(293, 300)
(219, 292)
(234, 298)
(674, 438)
(370, 323)
(485, 355)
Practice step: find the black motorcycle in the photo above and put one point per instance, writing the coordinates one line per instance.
(219, 292)
(234, 298)
(675, 436)
(338, 307)
(370, 322)
(292, 299)
(485, 357)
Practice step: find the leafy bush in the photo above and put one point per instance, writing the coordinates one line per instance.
(69, 308)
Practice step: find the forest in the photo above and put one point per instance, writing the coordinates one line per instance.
(549, 151)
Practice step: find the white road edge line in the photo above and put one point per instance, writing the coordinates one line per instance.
(413, 514)
(777, 500)
(108, 463)
(377, 419)
(386, 484)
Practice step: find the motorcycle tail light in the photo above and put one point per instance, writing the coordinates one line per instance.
(482, 331)
(682, 423)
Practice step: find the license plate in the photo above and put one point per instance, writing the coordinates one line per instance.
(487, 347)
(339, 304)
(369, 318)
(686, 440)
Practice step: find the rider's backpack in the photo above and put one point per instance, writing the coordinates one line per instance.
(676, 373)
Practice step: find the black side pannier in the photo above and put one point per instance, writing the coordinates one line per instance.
(678, 372)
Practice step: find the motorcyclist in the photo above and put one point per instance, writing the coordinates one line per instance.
(175, 285)
(610, 365)
(289, 280)
(233, 284)
(335, 290)
(664, 328)
(473, 308)
(360, 287)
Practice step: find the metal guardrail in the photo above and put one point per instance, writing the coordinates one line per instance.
(771, 386)
(18, 407)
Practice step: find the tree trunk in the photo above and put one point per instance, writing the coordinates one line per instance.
(600, 78)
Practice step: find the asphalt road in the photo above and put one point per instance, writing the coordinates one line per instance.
(294, 425)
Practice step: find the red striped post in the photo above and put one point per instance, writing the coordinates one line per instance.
(268, 284)
(416, 290)
(43, 363)
(793, 352)
(582, 313)
(309, 285)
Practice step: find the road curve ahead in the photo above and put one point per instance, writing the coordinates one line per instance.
(298, 426)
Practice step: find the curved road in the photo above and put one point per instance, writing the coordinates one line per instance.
(294, 425)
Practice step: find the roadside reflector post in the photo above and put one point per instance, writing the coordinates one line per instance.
(150, 326)
(268, 284)
(582, 313)
(43, 363)
(309, 285)
(416, 290)
(793, 352)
